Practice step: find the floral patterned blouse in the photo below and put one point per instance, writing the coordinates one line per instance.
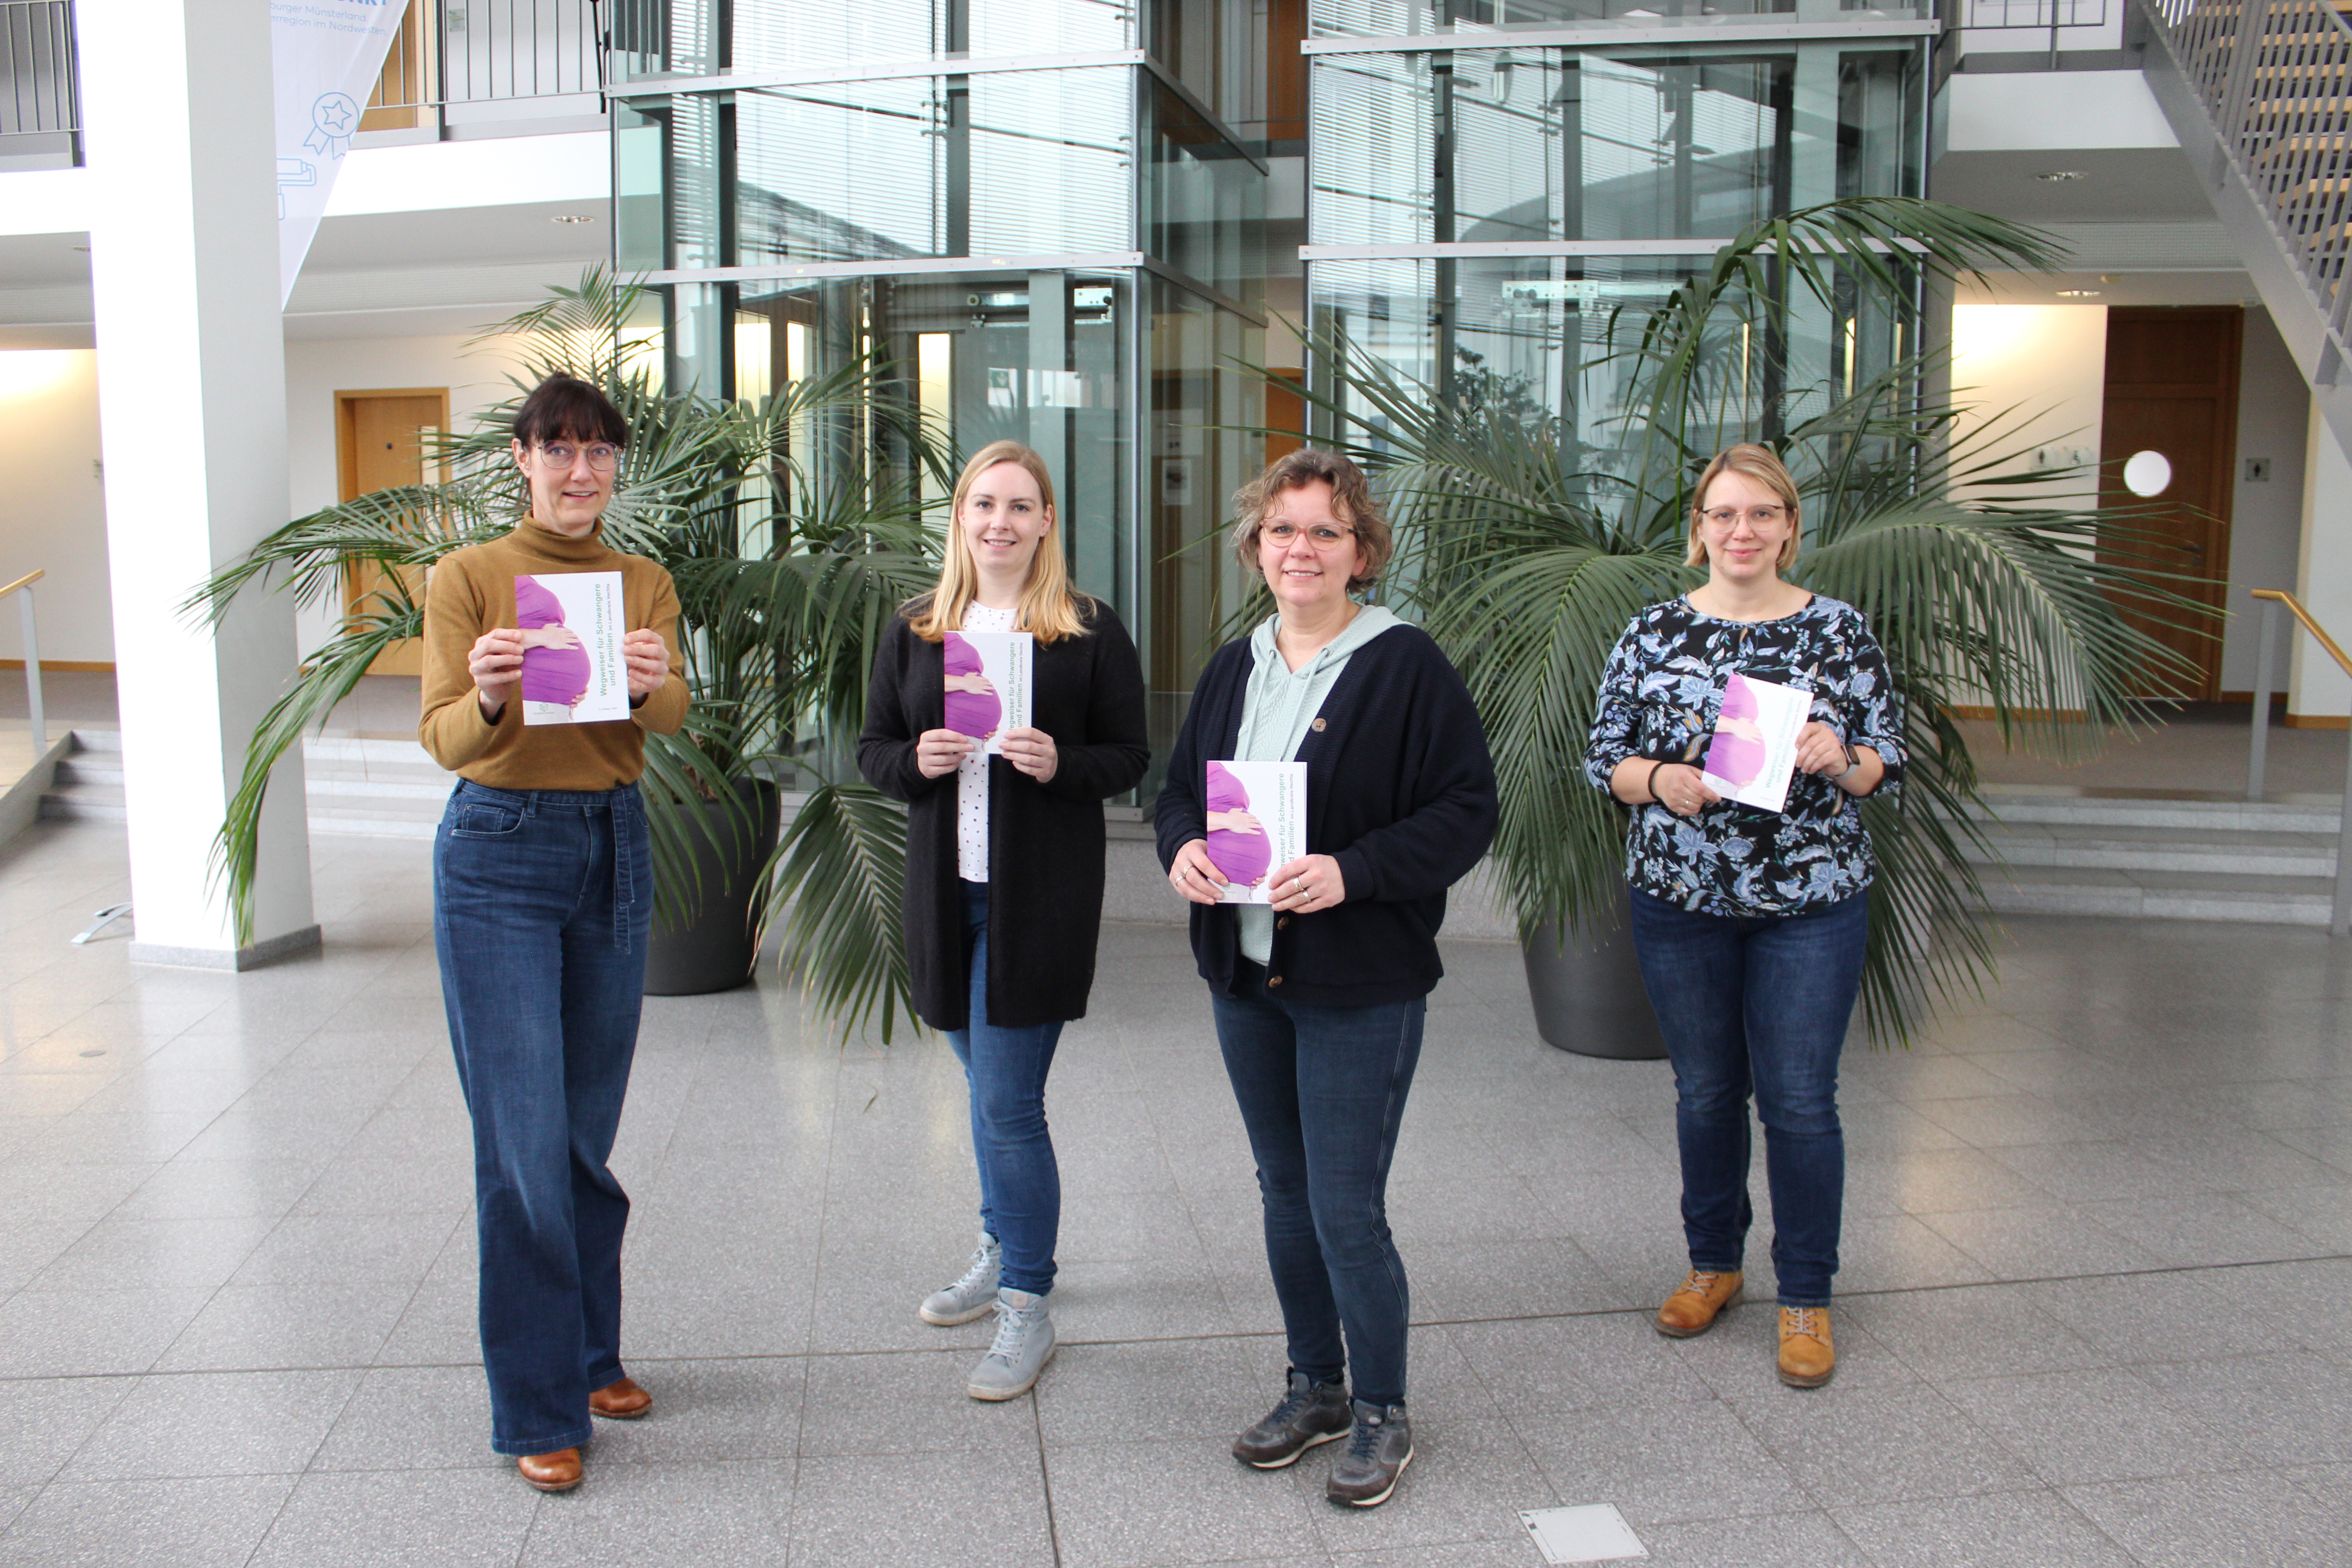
(1659, 696)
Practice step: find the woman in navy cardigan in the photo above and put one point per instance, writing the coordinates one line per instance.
(1319, 997)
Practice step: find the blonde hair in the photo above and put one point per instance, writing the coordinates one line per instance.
(1351, 497)
(1049, 608)
(1755, 463)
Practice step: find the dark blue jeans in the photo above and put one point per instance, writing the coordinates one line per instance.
(542, 901)
(1322, 1092)
(1020, 1182)
(1758, 1004)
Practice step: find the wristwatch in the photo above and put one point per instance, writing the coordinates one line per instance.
(1853, 757)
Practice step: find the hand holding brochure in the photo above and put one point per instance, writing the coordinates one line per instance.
(573, 671)
(1754, 752)
(1257, 821)
(988, 685)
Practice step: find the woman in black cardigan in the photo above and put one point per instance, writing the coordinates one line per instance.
(1004, 864)
(1319, 998)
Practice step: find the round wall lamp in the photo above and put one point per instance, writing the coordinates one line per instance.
(2147, 474)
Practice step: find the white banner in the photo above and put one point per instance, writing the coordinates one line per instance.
(325, 57)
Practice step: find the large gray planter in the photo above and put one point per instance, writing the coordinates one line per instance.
(1588, 990)
(714, 949)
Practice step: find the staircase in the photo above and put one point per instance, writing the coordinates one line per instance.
(357, 787)
(2150, 855)
(2260, 94)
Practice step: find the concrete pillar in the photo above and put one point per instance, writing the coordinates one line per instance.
(192, 414)
(2319, 694)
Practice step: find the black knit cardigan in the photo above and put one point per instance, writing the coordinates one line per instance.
(1400, 792)
(1044, 841)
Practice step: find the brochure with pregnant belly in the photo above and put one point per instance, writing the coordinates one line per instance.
(1754, 752)
(573, 671)
(988, 685)
(1257, 821)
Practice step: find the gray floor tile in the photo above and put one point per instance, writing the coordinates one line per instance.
(316, 1324)
(185, 1253)
(51, 1419)
(2052, 1242)
(1114, 1506)
(2285, 1409)
(1195, 1390)
(912, 1402)
(1540, 1366)
(214, 1424)
(220, 1189)
(354, 1249)
(2005, 1530)
(2241, 1520)
(2100, 1424)
(353, 1184)
(1762, 1540)
(401, 1519)
(884, 1511)
(2155, 1316)
(1468, 1482)
(64, 1333)
(1640, 1458)
(712, 1411)
(1739, 1357)
(1885, 1445)
(207, 1523)
(1986, 1331)
(2198, 1229)
(685, 1514)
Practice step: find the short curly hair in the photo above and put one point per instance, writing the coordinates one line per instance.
(1352, 498)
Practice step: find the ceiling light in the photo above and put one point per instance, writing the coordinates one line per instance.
(2078, 293)
(572, 217)
(2059, 176)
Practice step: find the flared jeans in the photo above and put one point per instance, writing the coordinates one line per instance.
(543, 904)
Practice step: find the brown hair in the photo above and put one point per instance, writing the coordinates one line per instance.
(1755, 463)
(1048, 608)
(566, 408)
(1351, 497)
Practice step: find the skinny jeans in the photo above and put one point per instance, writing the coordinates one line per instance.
(1005, 1068)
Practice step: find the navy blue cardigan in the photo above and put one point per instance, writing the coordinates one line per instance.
(1400, 792)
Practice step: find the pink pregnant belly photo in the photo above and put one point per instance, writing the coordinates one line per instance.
(1241, 857)
(558, 675)
(973, 713)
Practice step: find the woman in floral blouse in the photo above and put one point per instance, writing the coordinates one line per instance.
(1750, 924)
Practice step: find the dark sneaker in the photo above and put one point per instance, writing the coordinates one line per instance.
(1309, 1413)
(1378, 1450)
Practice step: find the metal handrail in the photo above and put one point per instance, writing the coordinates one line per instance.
(2275, 78)
(2339, 916)
(491, 50)
(32, 656)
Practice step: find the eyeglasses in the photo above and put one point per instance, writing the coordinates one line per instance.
(1321, 535)
(1726, 517)
(562, 455)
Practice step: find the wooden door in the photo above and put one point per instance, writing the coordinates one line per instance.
(380, 442)
(2172, 389)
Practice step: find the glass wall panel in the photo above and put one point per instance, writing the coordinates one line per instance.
(1674, 146)
(1037, 357)
(800, 34)
(1204, 202)
(1372, 132)
(1385, 18)
(1008, 163)
(1217, 48)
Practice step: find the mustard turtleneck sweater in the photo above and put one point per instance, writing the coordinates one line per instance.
(471, 591)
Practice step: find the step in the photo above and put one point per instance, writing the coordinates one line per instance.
(363, 786)
(2226, 853)
(2161, 895)
(2016, 805)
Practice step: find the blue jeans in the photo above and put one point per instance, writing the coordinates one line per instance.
(1761, 1003)
(1322, 1092)
(543, 902)
(1020, 1182)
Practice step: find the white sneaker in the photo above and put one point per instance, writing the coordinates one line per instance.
(1024, 1343)
(971, 1296)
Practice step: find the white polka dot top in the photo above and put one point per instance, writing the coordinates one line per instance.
(971, 773)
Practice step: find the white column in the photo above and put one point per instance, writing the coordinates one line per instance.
(192, 412)
(2317, 689)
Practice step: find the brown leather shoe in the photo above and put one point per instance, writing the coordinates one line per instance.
(1808, 1359)
(622, 1400)
(1701, 1297)
(556, 1472)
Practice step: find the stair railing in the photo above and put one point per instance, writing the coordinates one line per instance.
(32, 656)
(2339, 916)
(2275, 78)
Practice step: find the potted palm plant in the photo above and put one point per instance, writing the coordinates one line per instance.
(1526, 552)
(791, 528)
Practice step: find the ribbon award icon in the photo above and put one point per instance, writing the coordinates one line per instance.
(325, 57)
(332, 120)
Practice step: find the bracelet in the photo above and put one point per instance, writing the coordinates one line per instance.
(1650, 781)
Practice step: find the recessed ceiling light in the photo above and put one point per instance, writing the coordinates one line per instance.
(2059, 176)
(83, 249)
(572, 217)
(2078, 293)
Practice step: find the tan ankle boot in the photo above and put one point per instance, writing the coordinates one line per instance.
(556, 1472)
(1808, 1359)
(1701, 1297)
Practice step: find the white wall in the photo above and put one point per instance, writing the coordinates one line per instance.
(2265, 516)
(2034, 377)
(52, 505)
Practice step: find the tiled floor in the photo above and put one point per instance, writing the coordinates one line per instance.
(2097, 1307)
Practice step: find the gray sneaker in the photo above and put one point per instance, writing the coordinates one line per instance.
(1309, 1413)
(971, 1296)
(1024, 1343)
(1378, 1450)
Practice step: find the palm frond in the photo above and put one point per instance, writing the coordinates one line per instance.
(836, 878)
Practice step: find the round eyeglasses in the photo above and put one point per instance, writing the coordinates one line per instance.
(562, 455)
